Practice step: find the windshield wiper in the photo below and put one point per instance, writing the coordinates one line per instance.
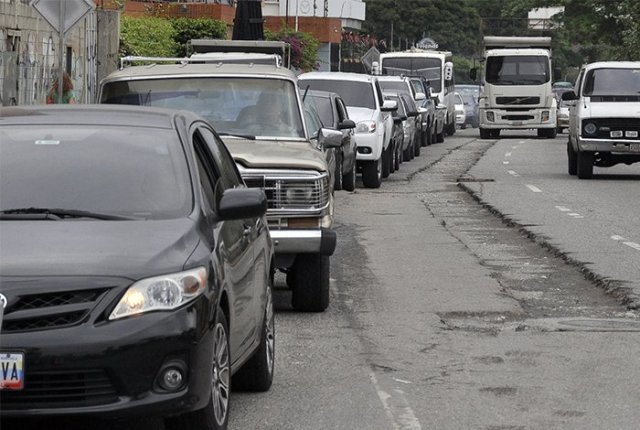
(240, 135)
(60, 214)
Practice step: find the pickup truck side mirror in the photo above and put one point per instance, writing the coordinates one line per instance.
(569, 95)
(329, 138)
(346, 124)
(389, 105)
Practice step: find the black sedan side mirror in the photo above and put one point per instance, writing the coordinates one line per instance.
(346, 124)
(412, 113)
(240, 203)
(399, 119)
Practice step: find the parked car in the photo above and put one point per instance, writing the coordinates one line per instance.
(314, 124)
(402, 85)
(333, 114)
(429, 127)
(277, 155)
(408, 122)
(562, 115)
(460, 112)
(604, 119)
(136, 268)
(470, 96)
(399, 117)
(366, 106)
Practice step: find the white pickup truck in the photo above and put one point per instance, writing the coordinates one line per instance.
(604, 119)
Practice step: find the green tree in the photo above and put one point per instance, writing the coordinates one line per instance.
(304, 47)
(148, 36)
(199, 28)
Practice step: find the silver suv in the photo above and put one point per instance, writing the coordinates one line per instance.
(257, 111)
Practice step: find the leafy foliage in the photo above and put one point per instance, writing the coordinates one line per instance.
(304, 47)
(199, 28)
(149, 36)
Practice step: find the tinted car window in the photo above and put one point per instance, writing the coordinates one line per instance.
(116, 170)
(355, 94)
(223, 160)
(323, 105)
(612, 82)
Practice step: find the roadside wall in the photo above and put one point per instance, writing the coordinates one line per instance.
(29, 53)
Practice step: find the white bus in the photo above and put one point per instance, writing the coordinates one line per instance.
(435, 66)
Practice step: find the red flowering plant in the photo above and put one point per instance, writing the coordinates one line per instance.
(304, 47)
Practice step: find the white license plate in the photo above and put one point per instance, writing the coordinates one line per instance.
(517, 122)
(11, 371)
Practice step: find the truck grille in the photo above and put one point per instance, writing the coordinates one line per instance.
(49, 310)
(291, 192)
(517, 100)
(628, 127)
(58, 389)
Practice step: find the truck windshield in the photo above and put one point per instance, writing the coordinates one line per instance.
(233, 105)
(612, 82)
(517, 70)
(430, 68)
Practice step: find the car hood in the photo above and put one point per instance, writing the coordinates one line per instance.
(276, 154)
(612, 110)
(358, 114)
(128, 249)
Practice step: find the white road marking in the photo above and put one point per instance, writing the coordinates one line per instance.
(534, 188)
(407, 419)
(633, 245)
(515, 147)
(616, 237)
(522, 141)
(511, 172)
(563, 209)
(402, 381)
(575, 215)
(508, 154)
(505, 162)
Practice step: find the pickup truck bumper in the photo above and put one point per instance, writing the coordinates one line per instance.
(517, 120)
(369, 146)
(304, 241)
(616, 146)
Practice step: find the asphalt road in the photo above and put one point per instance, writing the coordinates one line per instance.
(449, 313)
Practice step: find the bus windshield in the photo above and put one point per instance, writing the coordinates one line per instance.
(517, 70)
(430, 68)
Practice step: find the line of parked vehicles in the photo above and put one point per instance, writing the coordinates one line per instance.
(141, 235)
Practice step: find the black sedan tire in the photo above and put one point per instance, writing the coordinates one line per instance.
(257, 373)
(214, 416)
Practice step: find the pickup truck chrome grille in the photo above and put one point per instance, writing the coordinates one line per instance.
(291, 192)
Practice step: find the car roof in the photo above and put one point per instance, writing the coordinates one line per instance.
(79, 114)
(216, 69)
(613, 65)
(338, 76)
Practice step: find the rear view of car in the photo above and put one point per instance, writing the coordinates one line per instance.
(130, 246)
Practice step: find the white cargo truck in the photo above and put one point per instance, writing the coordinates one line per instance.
(517, 82)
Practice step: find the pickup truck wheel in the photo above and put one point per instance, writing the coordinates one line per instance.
(585, 165)
(310, 289)
(416, 146)
(372, 173)
(337, 182)
(572, 158)
(257, 373)
(485, 133)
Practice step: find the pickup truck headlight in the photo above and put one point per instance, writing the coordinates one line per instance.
(590, 128)
(366, 127)
(161, 293)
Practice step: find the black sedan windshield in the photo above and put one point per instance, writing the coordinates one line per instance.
(101, 170)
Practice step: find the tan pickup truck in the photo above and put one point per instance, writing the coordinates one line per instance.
(257, 112)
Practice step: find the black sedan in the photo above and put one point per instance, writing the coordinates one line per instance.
(135, 267)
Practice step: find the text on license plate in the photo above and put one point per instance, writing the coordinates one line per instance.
(11, 371)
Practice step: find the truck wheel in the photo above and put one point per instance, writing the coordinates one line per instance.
(552, 133)
(585, 165)
(310, 290)
(485, 133)
(541, 132)
(372, 173)
(572, 159)
(495, 133)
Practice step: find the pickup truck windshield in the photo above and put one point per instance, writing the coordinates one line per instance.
(430, 68)
(263, 107)
(612, 82)
(517, 70)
